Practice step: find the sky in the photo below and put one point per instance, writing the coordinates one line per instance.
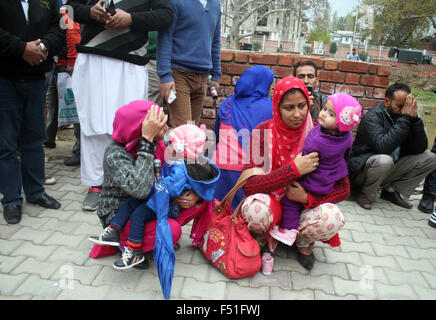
(342, 6)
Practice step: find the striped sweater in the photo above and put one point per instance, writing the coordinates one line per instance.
(124, 177)
(127, 44)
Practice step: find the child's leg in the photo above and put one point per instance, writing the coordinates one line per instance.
(291, 213)
(139, 217)
(111, 234)
(290, 219)
(124, 213)
(133, 254)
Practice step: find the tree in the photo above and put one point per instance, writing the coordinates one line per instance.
(320, 14)
(318, 35)
(401, 23)
(333, 48)
(241, 10)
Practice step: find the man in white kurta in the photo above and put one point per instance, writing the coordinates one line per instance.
(110, 72)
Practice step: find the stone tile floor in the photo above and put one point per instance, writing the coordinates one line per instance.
(386, 253)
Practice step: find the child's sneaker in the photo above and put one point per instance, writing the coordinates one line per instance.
(129, 259)
(267, 263)
(109, 237)
(284, 235)
(432, 220)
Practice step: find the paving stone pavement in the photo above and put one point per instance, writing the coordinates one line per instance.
(386, 253)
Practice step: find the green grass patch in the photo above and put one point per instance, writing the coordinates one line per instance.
(427, 98)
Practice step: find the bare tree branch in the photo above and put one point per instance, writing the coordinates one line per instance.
(268, 13)
(255, 9)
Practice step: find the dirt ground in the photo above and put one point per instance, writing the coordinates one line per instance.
(414, 78)
(64, 144)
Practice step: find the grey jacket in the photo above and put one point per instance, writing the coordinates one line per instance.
(125, 177)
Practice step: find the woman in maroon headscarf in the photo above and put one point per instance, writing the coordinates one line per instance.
(280, 142)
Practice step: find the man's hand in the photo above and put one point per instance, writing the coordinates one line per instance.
(215, 84)
(70, 70)
(165, 89)
(311, 99)
(33, 53)
(120, 19)
(410, 107)
(296, 192)
(98, 12)
(187, 200)
(153, 122)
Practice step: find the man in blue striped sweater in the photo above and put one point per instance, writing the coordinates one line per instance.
(187, 53)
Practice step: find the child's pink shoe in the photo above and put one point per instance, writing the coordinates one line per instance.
(284, 235)
(267, 263)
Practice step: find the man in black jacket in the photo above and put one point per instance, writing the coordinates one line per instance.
(110, 72)
(390, 150)
(29, 38)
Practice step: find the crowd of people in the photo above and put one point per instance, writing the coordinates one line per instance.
(139, 75)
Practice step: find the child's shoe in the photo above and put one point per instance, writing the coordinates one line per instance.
(267, 263)
(284, 235)
(129, 259)
(109, 237)
(432, 220)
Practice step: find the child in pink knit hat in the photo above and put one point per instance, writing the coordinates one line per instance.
(187, 141)
(332, 140)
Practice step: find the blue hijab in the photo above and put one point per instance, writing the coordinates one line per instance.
(250, 105)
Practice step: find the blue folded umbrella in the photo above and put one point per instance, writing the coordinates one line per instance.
(163, 253)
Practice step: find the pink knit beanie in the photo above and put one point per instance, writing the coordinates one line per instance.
(347, 109)
(188, 140)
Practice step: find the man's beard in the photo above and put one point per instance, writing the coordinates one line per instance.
(391, 112)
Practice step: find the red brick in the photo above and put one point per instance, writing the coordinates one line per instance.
(355, 91)
(331, 76)
(263, 58)
(369, 103)
(241, 57)
(369, 91)
(374, 81)
(379, 93)
(353, 66)
(327, 87)
(238, 69)
(353, 78)
(225, 80)
(226, 55)
(209, 113)
(372, 68)
(223, 67)
(319, 62)
(282, 72)
(384, 70)
(208, 101)
(228, 91)
(285, 60)
(330, 65)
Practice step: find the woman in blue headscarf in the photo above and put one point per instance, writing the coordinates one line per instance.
(238, 115)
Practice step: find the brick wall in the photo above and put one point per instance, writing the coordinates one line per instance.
(365, 81)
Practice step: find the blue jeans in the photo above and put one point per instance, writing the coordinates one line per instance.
(139, 214)
(430, 180)
(22, 130)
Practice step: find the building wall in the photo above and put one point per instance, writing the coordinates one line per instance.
(365, 81)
